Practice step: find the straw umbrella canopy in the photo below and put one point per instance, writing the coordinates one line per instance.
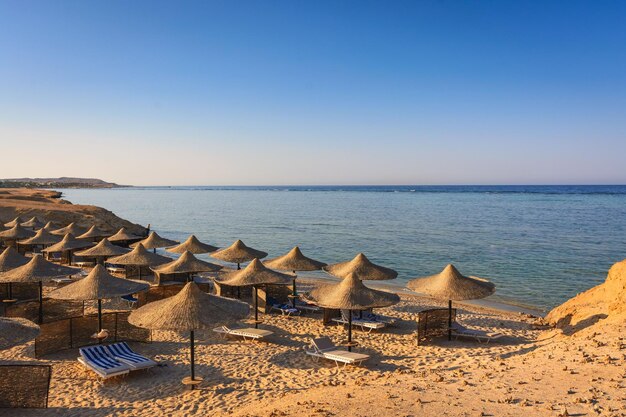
(42, 237)
(67, 245)
(154, 241)
(71, 228)
(50, 226)
(238, 253)
(189, 310)
(33, 223)
(193, 245)
(11, 259)
(123, 235)
(16, 233)
(93, 234)
(98, 285)
(254, 275)
(350, 294)
(139, 257)
(187, 263)
(294, 261)
(104, 249)
(37, 270)
(16, 331)
(362, 267)
(14, 222)
(450, 285)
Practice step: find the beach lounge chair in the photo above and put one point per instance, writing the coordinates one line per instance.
(364, 324)
(324, 348)
(130, 300)
(460, 331)
(122, 352)
(246, 333)
(116, 269)
(370, 316)
(99, 360)
(310, 308)
(286, 309)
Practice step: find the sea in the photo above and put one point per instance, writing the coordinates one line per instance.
(540, 245)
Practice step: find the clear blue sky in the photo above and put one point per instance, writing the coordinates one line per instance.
(318, 92)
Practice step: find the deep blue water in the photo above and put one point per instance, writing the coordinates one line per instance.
(540, 244)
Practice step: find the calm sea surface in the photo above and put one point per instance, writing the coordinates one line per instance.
(540, 244)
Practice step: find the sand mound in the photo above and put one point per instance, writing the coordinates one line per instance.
(606, 302)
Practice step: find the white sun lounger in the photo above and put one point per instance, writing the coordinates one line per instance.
(460, 331)
(99, 360)
(246, 333)
(301, 305)
(286, 309)
(123, 353)
(364, 324)
(324, 348)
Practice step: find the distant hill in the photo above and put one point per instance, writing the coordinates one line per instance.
(62, 182)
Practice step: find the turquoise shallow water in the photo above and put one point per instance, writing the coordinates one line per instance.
(541, 245)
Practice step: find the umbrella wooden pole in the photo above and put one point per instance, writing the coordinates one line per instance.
(293, 290)
(10, 291)
(449, 319)
(99, 315)
(40, 302)
(193, 358)
(349, 330)
(256, 308)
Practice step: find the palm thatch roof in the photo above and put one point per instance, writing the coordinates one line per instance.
(362, 267)
(69, 242)
(238, 253)
(37, 270)
(93, 233)
(98, 285)
(139, 256)
(294, 260)
(123, 235)
(11, 259)
(193, 245)
(154, 241)
(254, 274)
(50, 226)
(16, 232)
(34, 222)
(16, 331)
(450, 284)
(103, 249)
(14, 222)
(71, 228)
(187, 263)
(190, 309)
(350, 294)
(42, 237)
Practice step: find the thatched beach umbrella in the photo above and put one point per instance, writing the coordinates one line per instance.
(11, 259)
(450, 285)
(294, 261)
(123, 236)
(188, 264)
(33, 223)
(98, 285)
(16, 233)
(67, 245)
(16, 331)
(42, 237)
(50, 226)
(139, 257)
(238, 253)
(362, 267)
(37, 270)
(154, 241)
(94, 234)
(16, 221)
(71, 228)
(103, 250)
(193, 245)
(254, 275)
(350, 294)
(189, 310)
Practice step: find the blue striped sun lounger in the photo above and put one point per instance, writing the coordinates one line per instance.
(122, 352)
(98, 359)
